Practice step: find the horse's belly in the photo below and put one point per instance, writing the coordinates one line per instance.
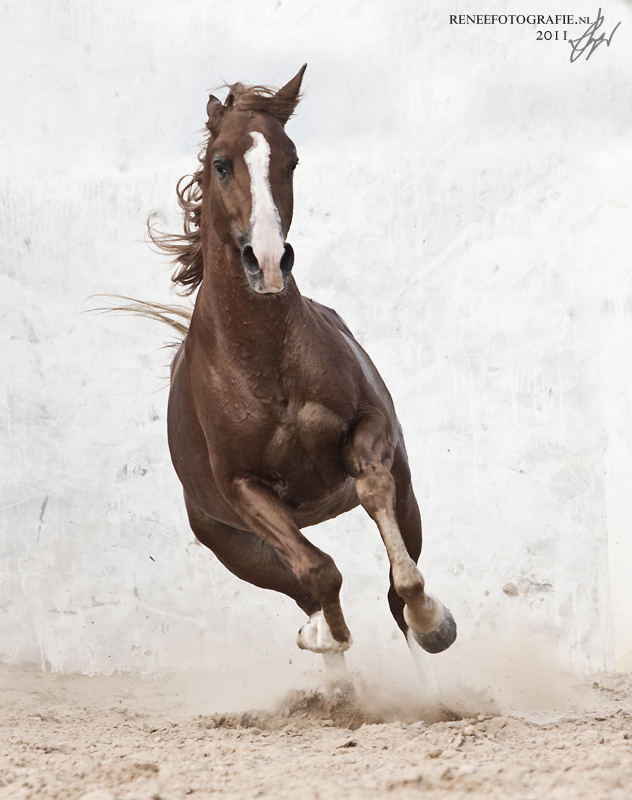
(330, 505)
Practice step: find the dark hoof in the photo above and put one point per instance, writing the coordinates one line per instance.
(440, 638)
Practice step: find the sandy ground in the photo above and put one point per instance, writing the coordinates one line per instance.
(124, 738)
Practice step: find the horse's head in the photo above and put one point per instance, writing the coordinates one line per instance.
(250, 162)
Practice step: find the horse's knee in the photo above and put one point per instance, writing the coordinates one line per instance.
(321, 577)
(375, 488)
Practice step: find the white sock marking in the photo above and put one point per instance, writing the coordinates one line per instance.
(316, 636)
(265, 222)
(427, 680)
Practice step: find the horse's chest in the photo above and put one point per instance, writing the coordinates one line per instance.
(306, 442)
(311, 426)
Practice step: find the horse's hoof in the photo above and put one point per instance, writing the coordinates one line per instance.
(316, 636)
(440, 638)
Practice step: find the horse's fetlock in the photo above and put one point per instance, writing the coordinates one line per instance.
(424, 614)
(322, 578)
(409, 584)
(410, 591)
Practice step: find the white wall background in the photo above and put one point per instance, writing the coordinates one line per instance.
(463, 200)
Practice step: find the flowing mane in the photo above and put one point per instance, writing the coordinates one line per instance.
(185, 249)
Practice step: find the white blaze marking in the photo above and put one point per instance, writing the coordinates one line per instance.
(265, 222)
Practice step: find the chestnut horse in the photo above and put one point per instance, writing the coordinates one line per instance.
(277, 418)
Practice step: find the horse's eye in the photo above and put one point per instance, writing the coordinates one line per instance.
(222, 169)
(294, 165)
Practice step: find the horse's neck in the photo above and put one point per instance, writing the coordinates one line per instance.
(236, 322)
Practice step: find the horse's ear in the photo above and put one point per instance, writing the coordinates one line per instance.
(214, 111)
(288, 95)
(235, 89)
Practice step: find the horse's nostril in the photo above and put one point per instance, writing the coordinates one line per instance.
(249, 260)
(287, 259)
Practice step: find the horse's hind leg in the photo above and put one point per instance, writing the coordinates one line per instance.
(248, 557)
(384, 490)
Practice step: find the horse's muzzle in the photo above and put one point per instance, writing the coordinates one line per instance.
(254, 273)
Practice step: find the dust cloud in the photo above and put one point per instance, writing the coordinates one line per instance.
(493, 719)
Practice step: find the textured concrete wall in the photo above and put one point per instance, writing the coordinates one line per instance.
(463, 200)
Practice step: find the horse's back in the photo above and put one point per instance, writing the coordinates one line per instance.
(331, 314)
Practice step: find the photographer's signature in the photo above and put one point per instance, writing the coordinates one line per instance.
(589, 41)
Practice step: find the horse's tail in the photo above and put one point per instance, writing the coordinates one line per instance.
(176, 317)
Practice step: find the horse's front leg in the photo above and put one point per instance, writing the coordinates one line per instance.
(263, 512)
(369, 460)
